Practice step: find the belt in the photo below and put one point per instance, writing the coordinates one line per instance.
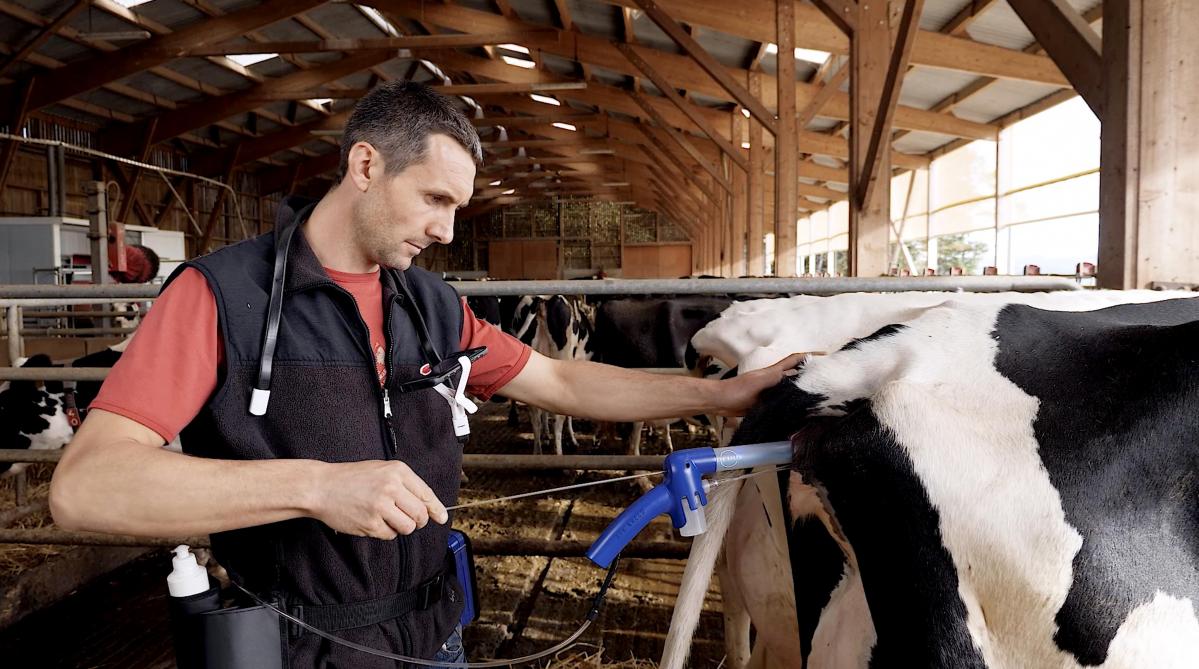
(335, 617)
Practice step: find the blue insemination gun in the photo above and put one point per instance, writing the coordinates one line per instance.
(682, 494)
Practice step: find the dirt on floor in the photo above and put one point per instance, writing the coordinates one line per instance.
(526, 603)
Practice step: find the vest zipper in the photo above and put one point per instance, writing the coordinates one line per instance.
(391, 435)
(389, 438)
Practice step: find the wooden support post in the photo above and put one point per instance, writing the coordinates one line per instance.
(869, 55)
(1149, 185)
(757, 185)
(786, 152)
(740, 213)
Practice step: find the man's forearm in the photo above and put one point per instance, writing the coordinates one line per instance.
(167, 494)
(603, 392)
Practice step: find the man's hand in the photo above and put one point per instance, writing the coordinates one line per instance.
(375, 498)
(736, 395)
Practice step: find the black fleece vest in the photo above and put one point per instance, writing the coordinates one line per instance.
(326, 404)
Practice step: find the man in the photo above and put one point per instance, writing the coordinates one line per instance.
(325, 500)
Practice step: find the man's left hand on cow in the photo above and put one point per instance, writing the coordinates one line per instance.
(603, 392)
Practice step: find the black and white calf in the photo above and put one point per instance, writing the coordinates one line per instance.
(975, 484)
(32, 417)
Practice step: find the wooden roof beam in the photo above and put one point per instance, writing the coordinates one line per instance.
(754, 20)
(42, 35)
(199, 114)
(1065, 35)
(277, 93)
(90, 73)
(366, 44)
(690, 110)
(705, 60)
(682, 71)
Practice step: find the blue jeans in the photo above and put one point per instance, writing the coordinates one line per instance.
(452, 651)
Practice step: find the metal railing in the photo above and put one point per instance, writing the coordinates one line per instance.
(14, 298)
(797, 286)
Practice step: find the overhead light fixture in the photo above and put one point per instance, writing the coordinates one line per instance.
(131, 3)
(495, 183)
(248, 59)
(379, 20)
(545, 99)
(514, 47)
(320, 101)
(565, 126)
(509, 191)
(597, 152)
(745, 145)
(117, 35)
(519, 62)
(808, 55)
(745, 112)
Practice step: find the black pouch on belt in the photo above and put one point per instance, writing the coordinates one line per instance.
(209, 637)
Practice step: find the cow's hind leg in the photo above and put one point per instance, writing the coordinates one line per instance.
(736, 618)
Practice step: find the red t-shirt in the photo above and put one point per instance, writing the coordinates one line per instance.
(169, 370)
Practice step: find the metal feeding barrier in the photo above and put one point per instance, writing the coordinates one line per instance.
(14, 298)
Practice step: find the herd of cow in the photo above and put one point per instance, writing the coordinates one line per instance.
(979, 480)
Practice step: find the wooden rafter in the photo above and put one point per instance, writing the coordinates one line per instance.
(1065, 35)
(688, 109)
(678, 138)
(87, 74)
(682, 71)
(705, 60)
(42, 35)
(754, 20)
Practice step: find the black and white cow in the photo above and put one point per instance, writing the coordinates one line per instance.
(976, 483)
(652, 332)
(562, 330)
(32, 417)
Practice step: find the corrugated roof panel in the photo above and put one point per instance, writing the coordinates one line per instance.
(938, 13)
(93, 20)
(104, 98)
(74, 115)
(597, 19)
(536, 11)
(822, 124)
(804, 70)
(1000, 26)
(559, 65)
(61, 49)
(201, 69)
(273, 67)
(284, 31)
(47, 8)
(728, 49)
(343, 20)
(923, 87)
(163, 88)
(14, 32)
(481, 5)
(171, 13)
(1000, 98)
(921, 142)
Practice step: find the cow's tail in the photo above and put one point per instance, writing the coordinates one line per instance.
(698, 574)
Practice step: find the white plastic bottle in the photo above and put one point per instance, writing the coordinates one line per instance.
(187, 577)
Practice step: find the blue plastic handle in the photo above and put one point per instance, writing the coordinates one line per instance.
(629, 524)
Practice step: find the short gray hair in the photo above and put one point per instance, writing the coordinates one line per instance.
(397, 118)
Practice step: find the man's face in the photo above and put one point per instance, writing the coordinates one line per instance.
(400, 214)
